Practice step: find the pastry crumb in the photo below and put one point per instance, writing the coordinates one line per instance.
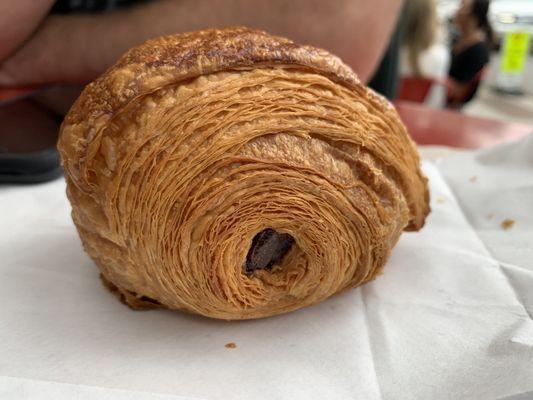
(490, 216)
(230, 345)
(473, 178)
(440, 200)
(508, 223)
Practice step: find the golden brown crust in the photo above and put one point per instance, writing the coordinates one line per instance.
(171, 59)
(191, 144)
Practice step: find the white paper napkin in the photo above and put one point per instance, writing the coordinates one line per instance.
(450, 318)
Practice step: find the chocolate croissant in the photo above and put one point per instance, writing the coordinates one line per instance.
(237, 175)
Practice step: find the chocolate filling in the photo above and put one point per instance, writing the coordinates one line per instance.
(268, 248)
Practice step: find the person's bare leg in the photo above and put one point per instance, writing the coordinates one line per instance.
(18, 20)
(76, 49)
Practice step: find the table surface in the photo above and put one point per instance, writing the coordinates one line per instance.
(430, 126)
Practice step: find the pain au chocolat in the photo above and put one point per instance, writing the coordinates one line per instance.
(237, 175)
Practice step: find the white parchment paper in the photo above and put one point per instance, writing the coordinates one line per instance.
(450, 318)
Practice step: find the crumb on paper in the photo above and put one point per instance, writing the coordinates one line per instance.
(230, 345)
(508, 223)
(473, 178)
(490, 216)
(440, 200)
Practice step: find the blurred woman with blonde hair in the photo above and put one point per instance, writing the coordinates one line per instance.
(423, 54)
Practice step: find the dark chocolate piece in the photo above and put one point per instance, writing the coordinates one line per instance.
(268, 248)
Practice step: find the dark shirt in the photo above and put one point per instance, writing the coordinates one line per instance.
(90, 6)
(464, 68)
(385, 79)
(466, 64)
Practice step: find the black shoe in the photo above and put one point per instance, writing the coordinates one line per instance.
(39, 166)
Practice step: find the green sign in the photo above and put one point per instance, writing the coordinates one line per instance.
(515, 51)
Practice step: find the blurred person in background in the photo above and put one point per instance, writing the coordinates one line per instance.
(62, 45)
(470, 52)
(423, 55)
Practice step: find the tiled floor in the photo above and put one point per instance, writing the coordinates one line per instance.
(493, 104)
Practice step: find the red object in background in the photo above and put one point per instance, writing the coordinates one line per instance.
(430, 126)
(10, 95)
(415, 89)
